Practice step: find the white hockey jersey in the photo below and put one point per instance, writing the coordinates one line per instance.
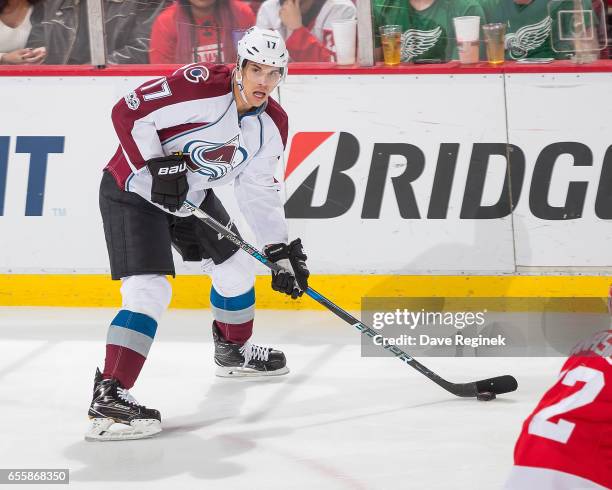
(313, 42)
(194, 112)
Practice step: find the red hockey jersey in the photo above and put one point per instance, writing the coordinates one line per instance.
(567, 441)
(207, 39)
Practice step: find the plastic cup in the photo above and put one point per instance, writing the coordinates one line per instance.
(391, 41)
(345, 41)
(494, 35)
(467, 30)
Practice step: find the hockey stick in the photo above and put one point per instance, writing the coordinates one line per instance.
(485, 389)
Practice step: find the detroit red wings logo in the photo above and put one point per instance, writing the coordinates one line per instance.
(215, 160)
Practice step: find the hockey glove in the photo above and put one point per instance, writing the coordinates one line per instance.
(169, 188)
(294, 280)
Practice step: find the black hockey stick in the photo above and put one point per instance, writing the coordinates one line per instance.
(484, 389)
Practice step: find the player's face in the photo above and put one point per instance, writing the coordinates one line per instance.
(258, 81)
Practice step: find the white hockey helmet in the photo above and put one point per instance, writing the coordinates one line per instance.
(263, 46)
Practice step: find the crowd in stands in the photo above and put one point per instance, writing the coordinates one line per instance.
(184, 31)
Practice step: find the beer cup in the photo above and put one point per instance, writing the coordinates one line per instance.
(494, 35)
(391, 41)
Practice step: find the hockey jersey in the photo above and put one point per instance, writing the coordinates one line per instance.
(194, 112)
(314, 42)
(566, 442)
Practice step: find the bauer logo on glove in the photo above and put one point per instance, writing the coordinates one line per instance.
(169, 187)
(175, 169)
(293, 281)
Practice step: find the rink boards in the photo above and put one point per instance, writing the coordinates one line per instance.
(477, 175)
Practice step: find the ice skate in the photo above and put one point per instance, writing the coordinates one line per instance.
(115, 414)
(246, 360)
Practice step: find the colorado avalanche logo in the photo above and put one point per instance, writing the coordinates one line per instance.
(215, 160)
(196, 74)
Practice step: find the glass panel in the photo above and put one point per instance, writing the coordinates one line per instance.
(208, 30)
(183, 31)
(579, 27)
(127, 26)
(44, 32)
(427, 28)
(540, 30)
(535, 30)
(61, 28)
(199, 31)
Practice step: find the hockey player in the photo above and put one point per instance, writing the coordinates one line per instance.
(180, 136)
(566, 443)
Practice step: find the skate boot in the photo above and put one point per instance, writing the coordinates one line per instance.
(115, 414)
(243, 360)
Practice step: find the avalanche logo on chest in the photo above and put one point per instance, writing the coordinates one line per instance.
(215, 160)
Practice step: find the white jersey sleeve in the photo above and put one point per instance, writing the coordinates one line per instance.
(257, 191)
(259, 199)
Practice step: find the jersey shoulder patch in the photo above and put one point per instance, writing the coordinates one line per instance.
(208, 79)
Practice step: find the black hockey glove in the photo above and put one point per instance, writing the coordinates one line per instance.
(292, 258)
(169, 188)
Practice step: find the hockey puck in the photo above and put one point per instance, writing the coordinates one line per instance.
(485, 396)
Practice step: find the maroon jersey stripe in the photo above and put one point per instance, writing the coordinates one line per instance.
(279, 116)
(119, 168)
(167, 133)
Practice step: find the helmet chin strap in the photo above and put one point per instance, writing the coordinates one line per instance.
(238, 77)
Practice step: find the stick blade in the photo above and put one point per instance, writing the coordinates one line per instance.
(497, 385)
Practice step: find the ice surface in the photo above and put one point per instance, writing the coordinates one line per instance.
(337, 421)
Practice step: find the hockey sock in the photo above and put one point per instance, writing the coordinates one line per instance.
(234, 315)
(129, 339)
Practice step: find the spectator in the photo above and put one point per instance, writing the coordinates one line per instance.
(199, 30)
(306, 25)
(15, 28)
(530, 27)
(428, 27)
(62, 26)
(255, 4)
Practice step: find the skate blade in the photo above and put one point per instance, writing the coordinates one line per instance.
(102, 429)
(245, 372)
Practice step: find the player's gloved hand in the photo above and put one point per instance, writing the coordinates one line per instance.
(169, 188)
(294, 281)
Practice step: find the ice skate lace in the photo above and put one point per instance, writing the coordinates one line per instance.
(126, 396)
(255, 352)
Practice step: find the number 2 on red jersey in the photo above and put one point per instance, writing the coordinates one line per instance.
(561, 430)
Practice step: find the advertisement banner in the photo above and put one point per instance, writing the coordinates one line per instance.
(401, 174)
(559, 129)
